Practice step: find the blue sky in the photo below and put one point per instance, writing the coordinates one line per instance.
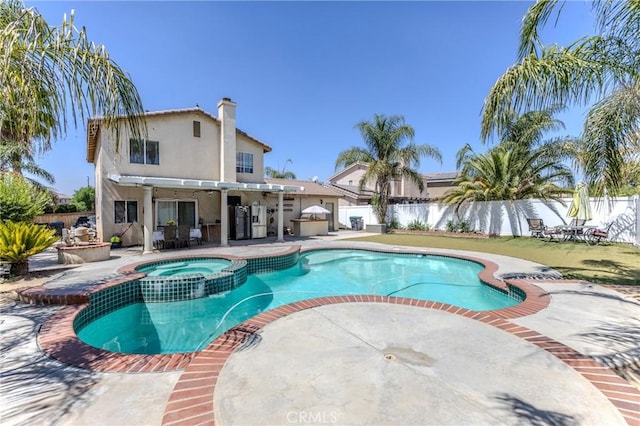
(304, 73)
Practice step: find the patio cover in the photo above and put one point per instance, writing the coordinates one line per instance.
(149, 182)
(164, 182)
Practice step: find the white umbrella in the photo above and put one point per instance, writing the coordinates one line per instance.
(315, 210)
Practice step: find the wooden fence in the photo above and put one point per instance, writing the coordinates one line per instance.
(69, 219)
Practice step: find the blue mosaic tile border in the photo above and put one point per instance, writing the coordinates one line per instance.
(193, 286)
(108, 300)
(274, 263)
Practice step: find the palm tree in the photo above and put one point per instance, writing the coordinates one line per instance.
(523, 165)
(52, 75)
(508, 172)
(387, 158)
(276, 174)
(605, 67)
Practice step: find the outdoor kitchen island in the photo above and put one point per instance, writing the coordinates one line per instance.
(310, 227)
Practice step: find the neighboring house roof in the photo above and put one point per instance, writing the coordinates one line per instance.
(310, 187)
(351, 167)
(93, 128)
(351, 191)
(441, 177)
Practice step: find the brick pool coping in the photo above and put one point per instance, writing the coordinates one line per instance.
(191, 401)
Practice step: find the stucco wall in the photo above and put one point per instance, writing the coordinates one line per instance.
(181, 154)
(352, 178)
(244, 144)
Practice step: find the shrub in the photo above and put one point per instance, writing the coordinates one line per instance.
(67, 208)
(394, 224)
(20, 201)
(458, 226)
(416, 225)
(20, 240)
(450, 226)
(464, 226)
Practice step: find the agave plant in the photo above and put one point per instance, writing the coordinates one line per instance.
(20, 240)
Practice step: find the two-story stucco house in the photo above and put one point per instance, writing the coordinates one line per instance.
(190, 169)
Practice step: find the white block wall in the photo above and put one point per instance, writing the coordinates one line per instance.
(509, 218)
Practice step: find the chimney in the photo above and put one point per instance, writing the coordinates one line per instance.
(227, 117)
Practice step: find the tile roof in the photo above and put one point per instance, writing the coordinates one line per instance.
(440, 176)
(310, 187)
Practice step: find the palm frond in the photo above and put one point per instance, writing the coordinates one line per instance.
(611, 129)
(51, 75)
(557, 76)
(535, 18)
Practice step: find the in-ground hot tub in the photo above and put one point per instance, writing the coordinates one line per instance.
(84, 253)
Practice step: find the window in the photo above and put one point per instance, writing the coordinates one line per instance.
(142, 151)
(196, 129)
(125, 211)
(244, 162)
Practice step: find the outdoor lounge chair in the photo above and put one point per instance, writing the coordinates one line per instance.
(536, 227)
(594, 236)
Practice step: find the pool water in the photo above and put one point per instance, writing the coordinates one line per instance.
(191, 266)
(172, 327)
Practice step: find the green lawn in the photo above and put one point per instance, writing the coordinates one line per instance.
(617, 264)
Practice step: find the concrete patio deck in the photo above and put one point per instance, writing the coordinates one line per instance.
(349, 363)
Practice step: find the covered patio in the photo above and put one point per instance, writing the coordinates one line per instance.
(150, 183)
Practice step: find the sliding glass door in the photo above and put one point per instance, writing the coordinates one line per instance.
(179, 211)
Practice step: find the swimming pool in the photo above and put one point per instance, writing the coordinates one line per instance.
(189, 325)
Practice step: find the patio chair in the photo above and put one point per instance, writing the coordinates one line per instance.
(536, 227)
(183, 235)
(595, 235)
(170, 236)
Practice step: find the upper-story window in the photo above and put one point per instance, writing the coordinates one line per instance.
(142, 151)
(196, 129)
(244, 162)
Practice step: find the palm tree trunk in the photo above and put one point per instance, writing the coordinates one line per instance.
(383, 201)
(20, 267)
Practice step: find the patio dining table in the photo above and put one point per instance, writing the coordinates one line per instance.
(158, 236)
(577, 233)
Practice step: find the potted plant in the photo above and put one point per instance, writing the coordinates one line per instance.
(116, 240)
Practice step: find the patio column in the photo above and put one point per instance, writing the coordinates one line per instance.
(280, 217)
(224, 218)
(147, 219)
